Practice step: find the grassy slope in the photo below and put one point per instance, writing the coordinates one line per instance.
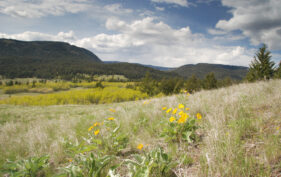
(239, 130)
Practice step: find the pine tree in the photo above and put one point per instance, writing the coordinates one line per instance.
(193, 84)
(170, 86)
(261, 67)
(210, 81)
(148, 85)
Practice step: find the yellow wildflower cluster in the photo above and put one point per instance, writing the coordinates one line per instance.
(177, 111)
(183, 118)
(97, 131)
(180, 113)
(94, 125)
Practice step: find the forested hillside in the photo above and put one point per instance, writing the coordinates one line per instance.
(41, 59)
(58, 59)
(220, 71)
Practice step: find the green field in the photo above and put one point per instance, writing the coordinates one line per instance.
(238, 135)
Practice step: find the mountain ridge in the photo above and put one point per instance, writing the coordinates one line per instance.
(50, 59)
(220, 70)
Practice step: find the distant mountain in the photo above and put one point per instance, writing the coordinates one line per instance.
(220, 71)
(160, 68)
(58, 59)
(44, 59)
(42, 50)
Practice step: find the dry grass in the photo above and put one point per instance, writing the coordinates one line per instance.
(239, 129)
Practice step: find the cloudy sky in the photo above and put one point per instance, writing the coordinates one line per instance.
(159, 32)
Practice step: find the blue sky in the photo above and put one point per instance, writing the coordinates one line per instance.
(158, 32)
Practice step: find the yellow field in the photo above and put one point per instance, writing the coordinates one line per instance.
(81, 96)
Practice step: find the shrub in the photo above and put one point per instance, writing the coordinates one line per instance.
(32, 167)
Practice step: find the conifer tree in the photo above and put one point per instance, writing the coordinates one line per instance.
(261, 67)
(210, 81)
(193, 84)
(148, 85)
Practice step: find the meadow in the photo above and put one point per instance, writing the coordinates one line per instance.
(232, 131)
(63, 92)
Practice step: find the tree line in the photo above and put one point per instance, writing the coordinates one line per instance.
(261, 68)
(176, 85)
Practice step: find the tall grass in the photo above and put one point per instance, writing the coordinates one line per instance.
(239, 130)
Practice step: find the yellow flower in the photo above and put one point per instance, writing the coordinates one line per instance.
(164, 108)
(184, 116)
(96, 124)
(112, 110)
(111, 118)
(181, 106)
(96, 132)
(89, 129)
(181, 112)
(175, 111)
(70, 160)
(187, 109)
(172, 119)
(199, 116)
(277, 128)
(140, 146)
(145, 102)
(181, 120)
(169, 110)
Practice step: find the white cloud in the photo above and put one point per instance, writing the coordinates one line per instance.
(183, 3)
(34, 36)
(152, 42)
(36, 9)
(206, 1)
(159, 8)
(149, 41)
(258, 20)
(117, 9)
(216, 32)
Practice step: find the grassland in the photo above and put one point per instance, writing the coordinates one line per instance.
(62, 92)
(81, 96)
(239, 133)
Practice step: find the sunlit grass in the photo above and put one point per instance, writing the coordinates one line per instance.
(237, 133)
